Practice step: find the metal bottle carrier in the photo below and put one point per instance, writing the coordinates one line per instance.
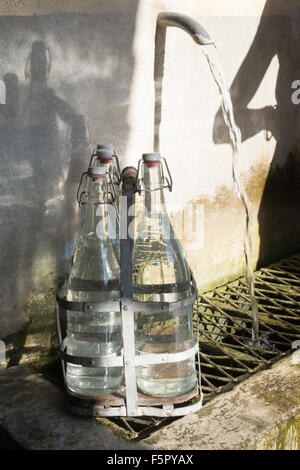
(127, 401)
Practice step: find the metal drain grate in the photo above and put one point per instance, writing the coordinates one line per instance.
(225, 324)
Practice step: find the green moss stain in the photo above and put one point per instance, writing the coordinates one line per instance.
(35, 344)
(284, 437)
(41, 310)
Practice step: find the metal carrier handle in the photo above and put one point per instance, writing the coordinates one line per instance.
(129, 358)
(167, 180)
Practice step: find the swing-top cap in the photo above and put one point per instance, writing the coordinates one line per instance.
(104, 147)
(151, 157)
(97, 171)
(105, 154)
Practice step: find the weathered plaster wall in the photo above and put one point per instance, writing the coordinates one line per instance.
(257, 42)
(101, 79)
(68, 78)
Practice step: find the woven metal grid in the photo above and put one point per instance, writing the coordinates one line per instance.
(227, 355)
(225, 325)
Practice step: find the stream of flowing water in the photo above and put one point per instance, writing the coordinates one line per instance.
(212, 57)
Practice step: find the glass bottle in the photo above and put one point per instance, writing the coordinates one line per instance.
(161, 274)
(94, 277)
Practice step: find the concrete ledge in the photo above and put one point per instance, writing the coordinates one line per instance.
(32, 415)
(261, 413)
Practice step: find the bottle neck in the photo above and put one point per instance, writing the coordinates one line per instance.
(153, 185)
(155, 220)
(97, 209)
(105, 163)
(109, 166)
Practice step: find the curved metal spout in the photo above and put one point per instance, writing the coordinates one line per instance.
(188, 24)
(199, 35)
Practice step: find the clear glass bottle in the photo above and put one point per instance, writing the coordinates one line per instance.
(161, 274)
(94, 277)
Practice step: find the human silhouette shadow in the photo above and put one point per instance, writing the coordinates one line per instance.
(278, 217)
(40, 184)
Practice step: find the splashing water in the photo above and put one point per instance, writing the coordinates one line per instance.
(235, 137)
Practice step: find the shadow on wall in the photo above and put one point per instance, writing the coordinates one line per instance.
(278, 217)
(32, 164)
(78, 71)
(39, 199)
